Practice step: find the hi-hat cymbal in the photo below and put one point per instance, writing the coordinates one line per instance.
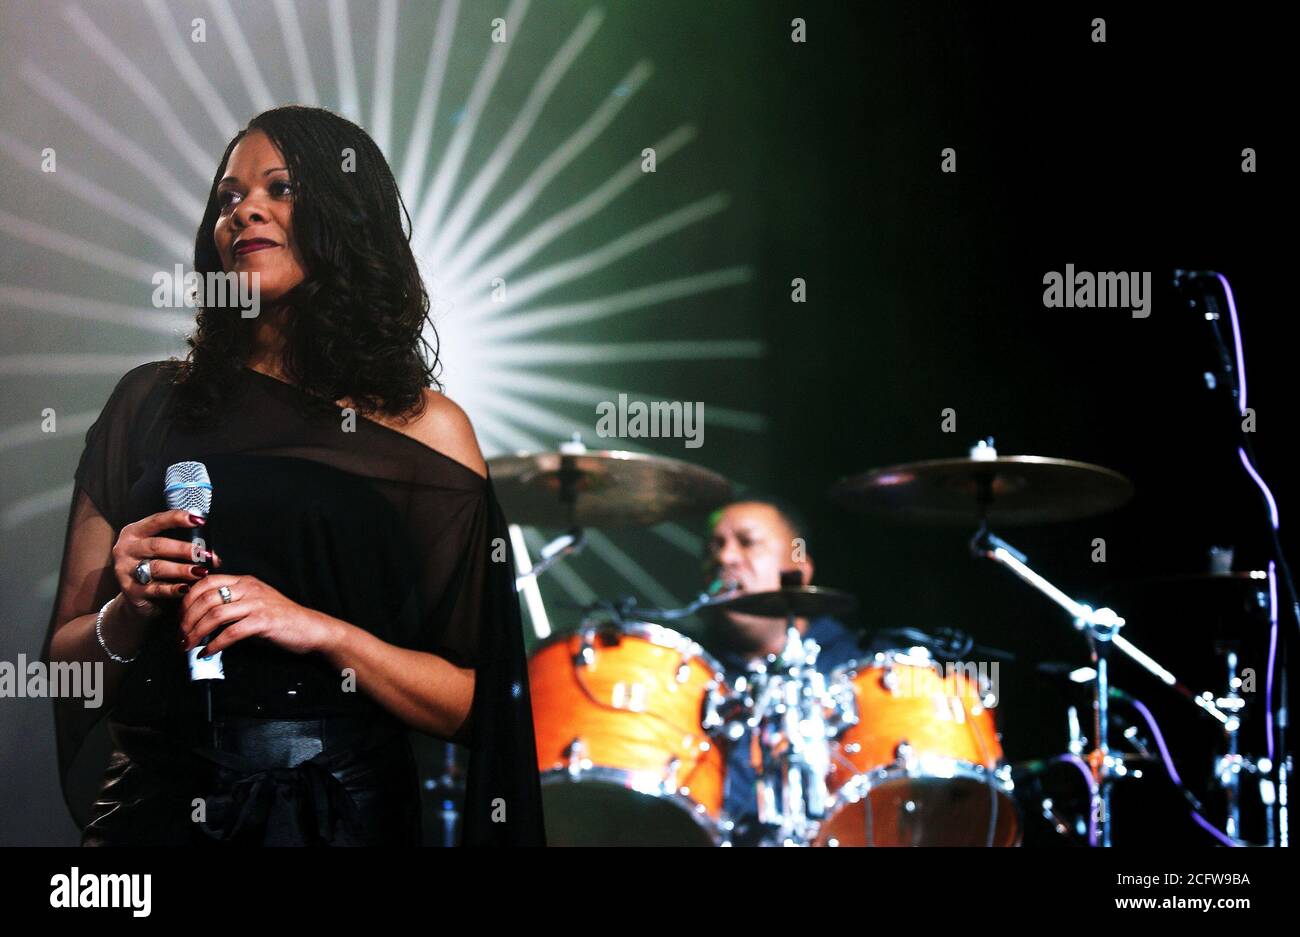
(800, 601)
(1006, 490)
(603, 488)
(1222, 581)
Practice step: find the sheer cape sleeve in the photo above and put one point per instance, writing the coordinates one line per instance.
(503, 802)
(470, 615)
(103, 477)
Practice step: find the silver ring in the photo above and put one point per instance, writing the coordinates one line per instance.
(226, 597)
(143, 574)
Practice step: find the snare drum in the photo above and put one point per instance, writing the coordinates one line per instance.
(923, 766)
(625, 760)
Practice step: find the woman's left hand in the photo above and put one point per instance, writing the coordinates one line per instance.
(256, 610)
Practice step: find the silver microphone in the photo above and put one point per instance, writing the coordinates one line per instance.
(188, 487)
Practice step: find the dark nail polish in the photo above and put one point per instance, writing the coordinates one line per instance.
(199, 571)
(183, 589)
(197, 519)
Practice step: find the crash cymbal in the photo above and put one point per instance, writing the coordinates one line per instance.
(603, 488)
(801, 601)
(1006, 490)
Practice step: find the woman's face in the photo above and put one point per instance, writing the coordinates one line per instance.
(254, 230)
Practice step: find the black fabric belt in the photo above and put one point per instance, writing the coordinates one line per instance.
(341, 779)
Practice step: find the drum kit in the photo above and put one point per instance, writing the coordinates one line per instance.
(635, 720)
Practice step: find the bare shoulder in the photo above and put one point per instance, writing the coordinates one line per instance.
(444, 426)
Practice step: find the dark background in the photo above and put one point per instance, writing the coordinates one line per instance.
(926, 292)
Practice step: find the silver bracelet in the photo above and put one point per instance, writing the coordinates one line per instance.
(99, 633)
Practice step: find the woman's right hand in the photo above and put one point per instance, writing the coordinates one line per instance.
(172, 563)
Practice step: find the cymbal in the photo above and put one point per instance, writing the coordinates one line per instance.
(801, 601)
(1007, 490)
(1227, 580)
(603, 488)
(1039, 765)
(1205, 606)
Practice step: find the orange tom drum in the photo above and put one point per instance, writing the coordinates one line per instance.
(923, 765)
(625, 760)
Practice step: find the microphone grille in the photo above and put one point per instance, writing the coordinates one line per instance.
(188, 487)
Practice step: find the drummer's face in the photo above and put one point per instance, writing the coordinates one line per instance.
(752, 544)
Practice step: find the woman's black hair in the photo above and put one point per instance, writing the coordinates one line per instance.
(354, 326)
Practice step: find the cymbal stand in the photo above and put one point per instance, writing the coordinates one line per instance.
(575, 538)
(1101, 626)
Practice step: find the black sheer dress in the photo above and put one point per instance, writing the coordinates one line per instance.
(351, 518)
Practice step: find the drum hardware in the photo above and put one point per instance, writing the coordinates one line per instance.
(626, 610)
(569, 543)
(989, 490)
(586, 655)
(671, 771)
(576, 756)
(905, 758)
(1226, 604)
(1229, 766)
(794, 714)
(1284, 771)
(1101, 626)
(943, 642)
(1059, 824)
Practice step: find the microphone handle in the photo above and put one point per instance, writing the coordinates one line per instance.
(201, 669)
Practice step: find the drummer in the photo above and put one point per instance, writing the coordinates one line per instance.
(751, 544)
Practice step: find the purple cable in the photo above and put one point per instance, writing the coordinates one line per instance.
(1212, 829)
(1236, 338)
(1092, 792)
(1268, 495)
(1173, 772)
(1272, 511)
(1160, 739)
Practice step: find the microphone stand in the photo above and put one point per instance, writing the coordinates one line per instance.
(1101, 626)
(1201, 285)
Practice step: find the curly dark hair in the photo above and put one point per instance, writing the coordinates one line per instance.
(354, 326)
